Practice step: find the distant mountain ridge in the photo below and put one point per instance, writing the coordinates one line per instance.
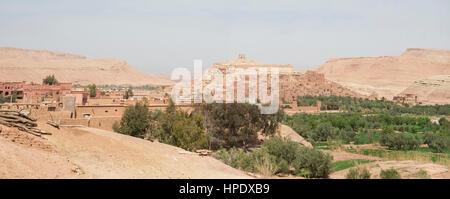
(387, 76)
(33, 65)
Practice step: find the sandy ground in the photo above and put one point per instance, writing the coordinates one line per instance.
(341, 155)
(408, 169)
(93, 153)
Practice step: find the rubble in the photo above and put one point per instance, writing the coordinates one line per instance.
(22, 121)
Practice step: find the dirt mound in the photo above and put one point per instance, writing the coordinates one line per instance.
(288, 132)
(23, 155)
(23, 138)
(33, 65)
(94, 153)
(105, 154)
(388, 75)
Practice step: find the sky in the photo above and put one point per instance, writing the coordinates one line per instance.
(158, 36)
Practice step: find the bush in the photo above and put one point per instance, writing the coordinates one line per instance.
(50, 80)
(358, 173)
(172, 127)
(116, 127)
(236, 159)
(399, 141)
(324, 132)
(312, 163)
(348, 136)
(236, 124)
(282, 148)
(135, 120)
(390, 174)
(439, 143)
(278, 155)
(422, 174)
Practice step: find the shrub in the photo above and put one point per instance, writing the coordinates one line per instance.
(422, 174)
(313, 163)
(116, 127)
(236, 159)
(278, 155)
(50, 80)
(390, 174)
(399, 141)
(439, 143)
(358, 173)
(282, 148)
(348, 136)
(183, 130)
(267, 164)
(135, 120)
(324, 132)
(303, 129)
(172, 127)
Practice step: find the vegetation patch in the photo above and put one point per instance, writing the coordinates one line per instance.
(345, 164)
(279, 155)
(390, 174)
(358, 173)
(438, 158)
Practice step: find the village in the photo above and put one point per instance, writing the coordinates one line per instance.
(68, 104)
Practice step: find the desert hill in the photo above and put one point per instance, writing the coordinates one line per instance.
(430, 90)
(83, 152)
(387, 76)
(312, 83)
(33, 65)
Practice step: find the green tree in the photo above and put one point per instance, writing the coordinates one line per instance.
(92, 90)
(324, 132)
(237, 124)
(313, 163)
(135, 120)
(50, 80)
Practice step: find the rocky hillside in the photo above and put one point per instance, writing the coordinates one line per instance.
(387, 75)
(33, 65)
(431, 90)
(312, 83)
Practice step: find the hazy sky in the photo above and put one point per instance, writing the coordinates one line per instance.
(157, 36)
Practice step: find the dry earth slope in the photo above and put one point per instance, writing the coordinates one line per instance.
(93, 153)
(33, 65)
(387, 75)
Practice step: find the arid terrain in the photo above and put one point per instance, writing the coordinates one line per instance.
(33, 65)
(388, 76)
(431, 90)
(93, 153)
